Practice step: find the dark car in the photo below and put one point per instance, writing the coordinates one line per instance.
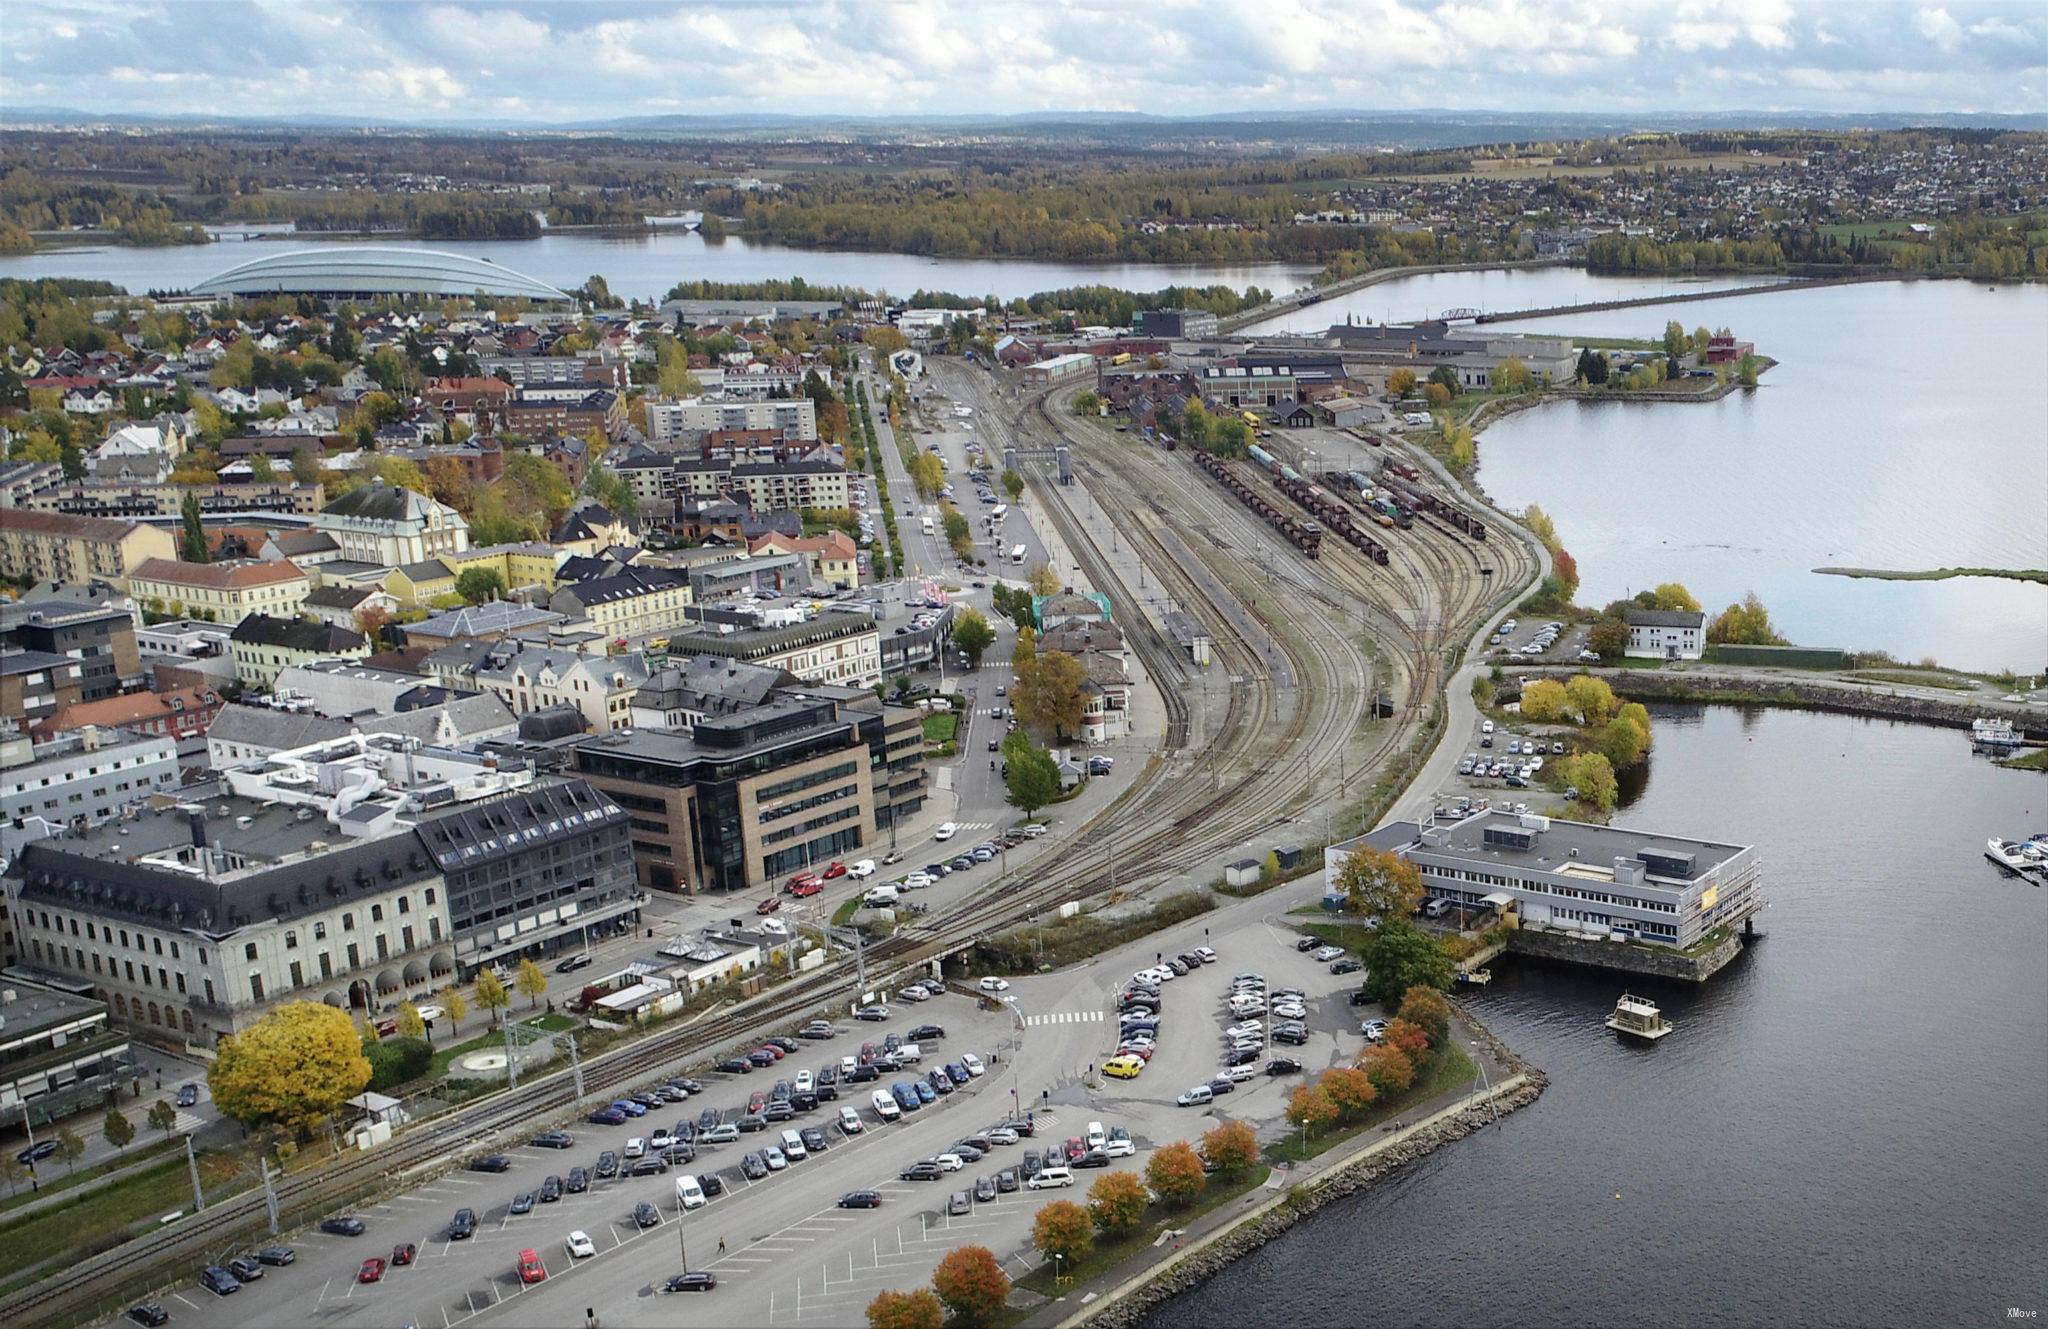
(1360, 998)
(779, 1112)
(861, 1200)
(957, 1073)
(927, 1033)
(491, 1163)
(404, 1253)
(463, 1225)
(786, 1044)
(939, 1081)
(980, 1143)
(652, 1165)
(522, 1203)
(863, 1072)
(754, 1167)
(926, 1171)
(1093, 1158)
(36, 1152)
(1283, 1066)
(218, 1281)
(608, 1164)
(684, 1131)
(648, 1100)
(1031, 1164)
(1006, 1181)
(968, 1153)
(277, 1256)
(553, 1140)
(761, 1057)
(708, 1118)
(646, 1215)
(1024, 1126)
(1178, 966)
(781, 1092)
(1221, 1085)
(1243, 1056)
(814, 1139)
(1292, 1034)
(872, 1014)
(736, 1066)
(985, 1189)
(1308, 943)
(806, 1100)
(245, 1269)
(711, 1184)
(572, 964)
(751, 1122)
(607, 1117)
(550, 1190)
(342, 1227)
(1350, 964)
(578, 1182)
(149, 1313)
(188, 1095)
(697, 1280)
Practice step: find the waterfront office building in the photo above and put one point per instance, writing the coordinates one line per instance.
(1574, 876)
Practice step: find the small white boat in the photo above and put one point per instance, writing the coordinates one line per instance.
(1992, 735)
(2022, 858)
(1477, 978)
(1638, 1017)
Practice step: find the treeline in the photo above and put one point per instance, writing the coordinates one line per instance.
(1998, 248)
(1090, 304)
(137, 216)
(53, 311)
(431, 216)
(586, 210)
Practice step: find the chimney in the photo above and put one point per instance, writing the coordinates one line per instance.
(198, 820)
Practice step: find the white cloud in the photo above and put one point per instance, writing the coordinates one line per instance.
(1939, 27)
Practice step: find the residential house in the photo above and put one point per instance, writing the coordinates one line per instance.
(832, 558)
(101, 637)
(181, 713)
(529, 676)
(634, 603)
(343, 605)
(262, 645)
(1666, 634)
(221, 592)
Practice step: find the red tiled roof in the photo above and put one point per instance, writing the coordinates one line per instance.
(219, 576)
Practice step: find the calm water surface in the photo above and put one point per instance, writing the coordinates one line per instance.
(1848, 1127)
(646, 266)
(1494, 290)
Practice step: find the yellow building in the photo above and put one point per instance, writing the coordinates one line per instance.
(222, 592)
(419, 583)
(55, 546)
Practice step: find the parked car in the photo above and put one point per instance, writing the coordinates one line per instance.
(463, 1226)
(553, 1140)
(861, 1200)
(371, 1271)
(1283, 1066)
(277, 1256)
(491, 1163)
(245, 1269)
(697, 1280)
(342, 1227)
(529, 1267)
(149, 1313)
(579, 1245)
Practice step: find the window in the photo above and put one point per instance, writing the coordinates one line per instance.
(326, 965)
(291, 940)
(348, 922)
(249, 951)
(376, 913)
(320, 930)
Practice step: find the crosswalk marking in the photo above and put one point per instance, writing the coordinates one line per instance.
(1064, 1017)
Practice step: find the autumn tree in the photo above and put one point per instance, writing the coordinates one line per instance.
(490, 993)
(1087, 403)
(1047, 694)
(1593, 776)
(1349, 1090)
(1063, 1228)
(1672, 595)
(69, 1147)
(1745, 624)
(1231, 1146)
(162, 1116)
(453, 1002)
(13, 1169)
(1379, 883)
(906, 1310)
(1408, 1036)
(293, 1066)
(1388, 1068)
(1174, 1172)
(410, 1022)
(1609, 638)
(1591, 699)
(1545, 701)
(1623, 742)
(1310, 1109)
(971, 1281)
(1401, 956)
(1638, 715)
(117, 1129)
(1511, 375)
(1427, 1010)
(1042, 580)
(972, 634)
(886, 341)
(531, 982)
(1117, 1202)
(1401, 382)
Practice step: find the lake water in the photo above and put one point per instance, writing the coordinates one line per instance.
(1848, 1127)
(646, 266)
(1492, 290)
(1898, 431)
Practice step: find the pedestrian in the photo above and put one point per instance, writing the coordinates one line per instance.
(721, 1245)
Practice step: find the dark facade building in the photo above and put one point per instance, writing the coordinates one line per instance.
(100, 638)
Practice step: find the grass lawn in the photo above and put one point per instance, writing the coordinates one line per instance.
(1451, 1070)
(940, 728)
(1620, 343)
(93, 1221)
(56, 1182)
(1914, 678)
(1105, 1255)
(845, 912)
(2037, 760)
(444, 1056)
(556, 1023)
(1351, 936)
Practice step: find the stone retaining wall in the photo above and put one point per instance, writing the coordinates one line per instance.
(1657, 685)
(1649, 961)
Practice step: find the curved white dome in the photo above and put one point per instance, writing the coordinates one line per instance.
(365, 270)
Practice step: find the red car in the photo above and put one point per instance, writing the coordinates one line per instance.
(772, 1051)
(403, 1253)
(808, 888)
(371, 1272)
(837, 869)
(1076, 1147)
(801, 880)
(1141, 1053)
(768, 906)
(756, 1102)
(531, 1270)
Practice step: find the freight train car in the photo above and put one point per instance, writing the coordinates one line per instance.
(1331, 512)
(1305, 536)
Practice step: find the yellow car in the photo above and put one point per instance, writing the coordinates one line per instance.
(1123, 1068)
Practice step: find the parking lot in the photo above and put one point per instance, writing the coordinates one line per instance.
(1539, 641)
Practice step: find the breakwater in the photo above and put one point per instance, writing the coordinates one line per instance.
(1683, 297)
(1739, 689)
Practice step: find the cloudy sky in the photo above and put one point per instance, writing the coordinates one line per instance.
(571, 61)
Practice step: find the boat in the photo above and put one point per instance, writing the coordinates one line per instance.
(1477, 978)
(2022, 858)
(1993, 735)
(1639, 1017)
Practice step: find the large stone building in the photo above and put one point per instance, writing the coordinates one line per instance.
(530, 676)
(55, 546)
(224, 593)
(832, 648)
(391, 526)
(633, 603)
(262, 645)
(690, 419)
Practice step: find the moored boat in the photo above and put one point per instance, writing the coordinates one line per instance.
(1639, 1018)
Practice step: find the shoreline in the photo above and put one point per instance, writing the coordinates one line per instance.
(2036, 575)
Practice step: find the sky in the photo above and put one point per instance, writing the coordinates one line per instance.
(564, 62)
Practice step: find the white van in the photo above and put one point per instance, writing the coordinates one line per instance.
(635, 1147)
(885, 1105)
(1050, 1178)
(863, 869)
(846, 1066)
(793, 1147)
(908, 1054)
(1097, 1137)
(688, 1193)
(880, 895)
(850, 1122)
(946, 831)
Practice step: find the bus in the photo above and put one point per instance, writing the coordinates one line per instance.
(998, 512)
(927, 523)
(1017, 554)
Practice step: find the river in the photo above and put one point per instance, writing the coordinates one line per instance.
(645, 266)
(1493, 290)
(1848, 1127)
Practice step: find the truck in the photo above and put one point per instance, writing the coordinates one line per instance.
(1017, 554)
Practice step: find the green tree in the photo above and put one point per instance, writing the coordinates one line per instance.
(904, 1310)
(1446, 378)
(490, 993)
(162, 1116)
(193, 546)
(305, 467)
(1062, 1228)
(1593, 776)
(1401, 956)
(1622, 742)
(971, 1281)
(293, 1066)
(1087, 403)
(118, 1130)
(1511, 375)
(1675, 341)
(1609, 638)
(13, 1170)
(531, 982)
(1174, 1172)
(1638, 715)
(261, 471)
(1117, 1203)
(478, 584)
(1013, 485)
(1030, 780)
(1592, 368)
(1379, 883)
(972, 634)
(69, 1147)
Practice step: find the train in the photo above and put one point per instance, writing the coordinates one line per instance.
(1305, 536)
(1407, 498)
(1329, 510)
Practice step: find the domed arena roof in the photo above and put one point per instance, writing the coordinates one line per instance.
(348, 271)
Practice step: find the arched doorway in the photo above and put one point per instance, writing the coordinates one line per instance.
(359, 995)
